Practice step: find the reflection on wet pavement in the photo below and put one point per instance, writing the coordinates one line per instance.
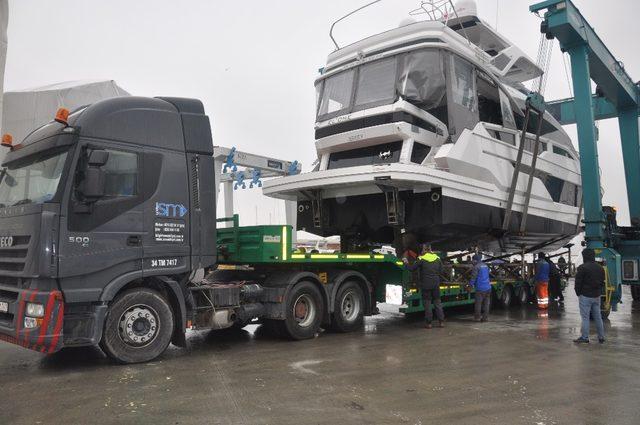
(519, 368)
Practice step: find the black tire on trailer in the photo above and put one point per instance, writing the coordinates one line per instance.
(272, 327)
(635, 292)
(240, 324)
(523, 294)
(138, 326)
(348, 313)
(304, 310)
(506, 297)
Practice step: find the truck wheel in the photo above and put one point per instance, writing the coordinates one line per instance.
(349, 308)
(304, 309)
(138, 327)
(506, 297)
(523, 294)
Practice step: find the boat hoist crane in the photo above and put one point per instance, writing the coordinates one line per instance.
(616, 96)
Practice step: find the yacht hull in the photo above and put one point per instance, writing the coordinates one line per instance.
(448, 223)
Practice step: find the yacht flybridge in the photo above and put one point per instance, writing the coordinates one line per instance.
(417, 133)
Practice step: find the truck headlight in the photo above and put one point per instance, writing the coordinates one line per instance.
(30, 323)
(35, 310)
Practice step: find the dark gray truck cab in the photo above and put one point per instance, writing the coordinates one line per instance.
(115, 198)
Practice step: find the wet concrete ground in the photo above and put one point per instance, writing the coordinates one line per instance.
(518, 368)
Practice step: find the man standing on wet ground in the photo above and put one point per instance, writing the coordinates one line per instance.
(589, 284)
(481, 281)
(542, 281)
(555, 283)
(430, 267)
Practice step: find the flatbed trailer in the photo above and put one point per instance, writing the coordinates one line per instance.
(268, 249)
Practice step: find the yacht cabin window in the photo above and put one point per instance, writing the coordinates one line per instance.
(422, 81)
(462, 84)
(337, 92)
(488, 100)
(386, 153)
(376, 83)
(559, 151)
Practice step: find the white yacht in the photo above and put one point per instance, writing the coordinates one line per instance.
(417, 133)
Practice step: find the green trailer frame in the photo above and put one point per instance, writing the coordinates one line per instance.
(271, 246)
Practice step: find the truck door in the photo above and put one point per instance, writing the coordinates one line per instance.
(101, 240)
(167, 214)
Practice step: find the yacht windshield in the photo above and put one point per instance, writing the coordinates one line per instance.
(376, 83)
(336, 94)
(35, 181)
(417, 77)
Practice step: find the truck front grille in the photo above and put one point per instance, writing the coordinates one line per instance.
(13, 259)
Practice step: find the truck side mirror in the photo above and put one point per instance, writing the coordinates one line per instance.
(98, 158)
(92, 186)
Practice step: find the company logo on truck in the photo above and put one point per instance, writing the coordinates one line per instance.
(170, 210)
(6, 241)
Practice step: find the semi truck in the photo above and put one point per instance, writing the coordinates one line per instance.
(109, 237)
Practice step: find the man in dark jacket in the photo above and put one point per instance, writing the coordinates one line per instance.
(589, 285)
(430, 268)
(555, 284)
(481, 281)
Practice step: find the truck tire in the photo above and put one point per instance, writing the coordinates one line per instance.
(138, 326)
(304, 309)
(348, 313)
(506, 297)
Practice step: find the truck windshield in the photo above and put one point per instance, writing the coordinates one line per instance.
(34, 181)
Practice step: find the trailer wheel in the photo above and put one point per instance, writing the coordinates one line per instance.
(523, 294)
(506, 297)
(138, 327)
(635, 292)
(304, 309)
(348, 314)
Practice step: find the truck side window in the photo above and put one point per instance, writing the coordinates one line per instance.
(121, 174)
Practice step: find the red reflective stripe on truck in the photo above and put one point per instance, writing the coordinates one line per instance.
(19, 319)
(47, 319)
(58, 328)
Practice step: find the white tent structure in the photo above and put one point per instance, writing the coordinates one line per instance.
(4, 23)
(26, 110)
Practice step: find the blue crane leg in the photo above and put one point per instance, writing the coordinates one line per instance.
(593, 217)
(630, 137)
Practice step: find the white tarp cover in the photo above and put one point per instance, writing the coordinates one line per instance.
(26, 110)
(4, 22)
(303, 238)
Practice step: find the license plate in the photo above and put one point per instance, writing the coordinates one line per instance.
(4, 307)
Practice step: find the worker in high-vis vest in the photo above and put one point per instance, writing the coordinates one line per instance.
(430, 267)
(542, 281)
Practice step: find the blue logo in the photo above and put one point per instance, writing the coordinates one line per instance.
(170, 210)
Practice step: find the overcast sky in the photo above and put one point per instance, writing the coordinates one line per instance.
(253, 63)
